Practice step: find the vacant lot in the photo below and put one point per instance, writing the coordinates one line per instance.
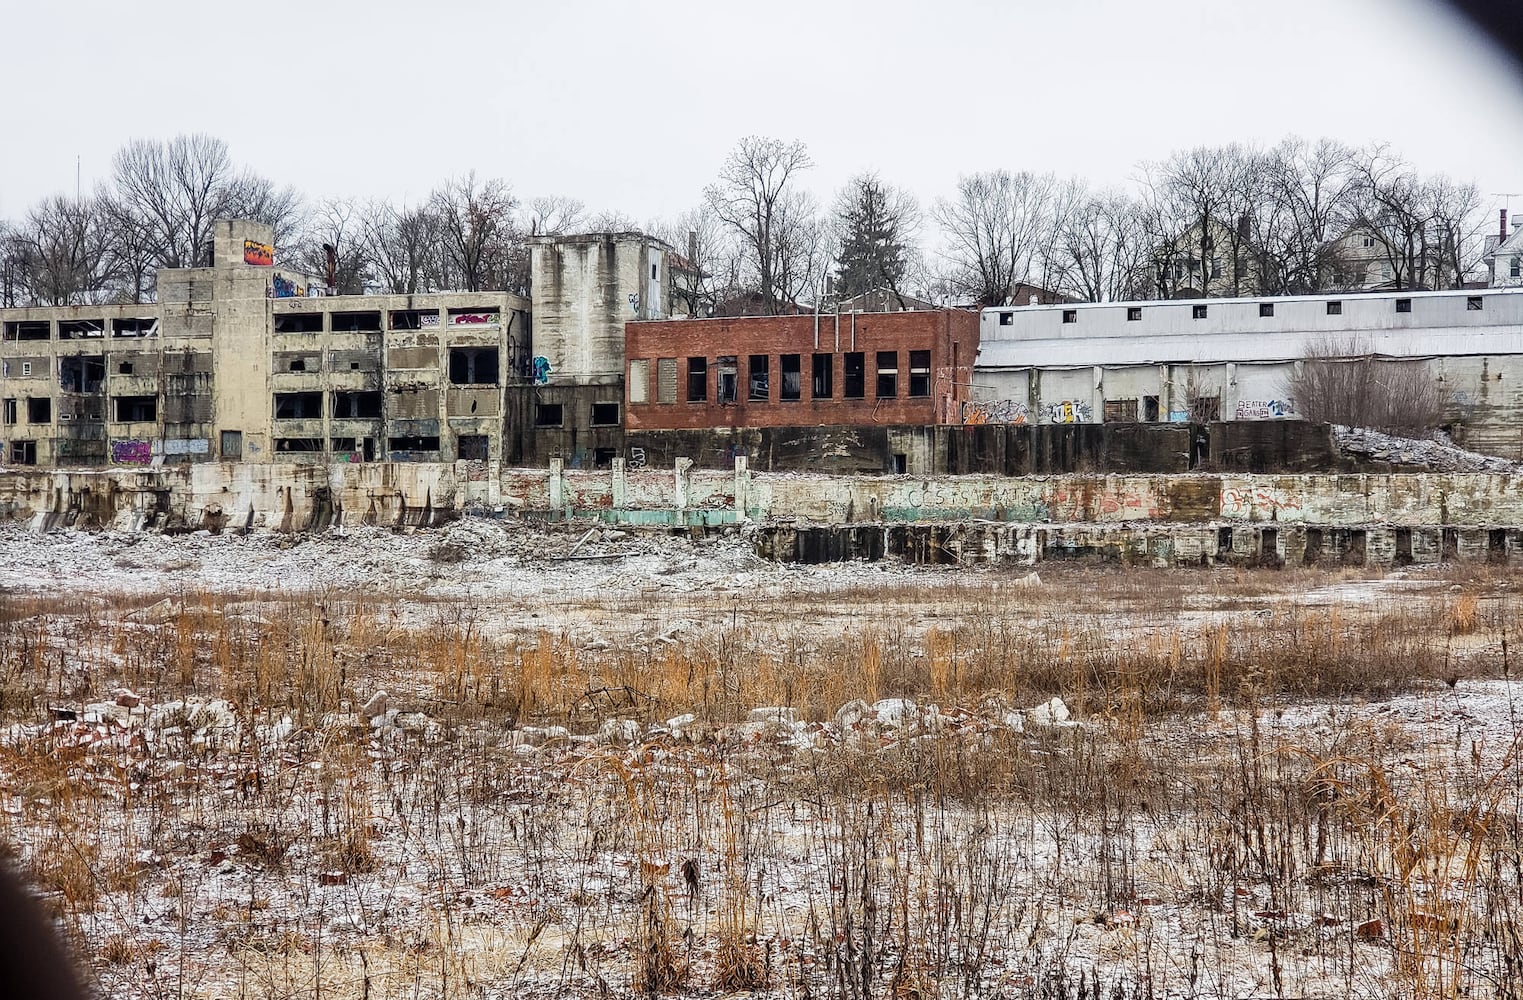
(488, 760)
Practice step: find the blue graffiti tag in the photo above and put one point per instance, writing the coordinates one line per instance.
(541, 370)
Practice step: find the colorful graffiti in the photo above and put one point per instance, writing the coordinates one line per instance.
(132, 452)
(1237, 500)
(1070, 411)
(541, 370)
(282, 287)
(259, 254)
(1264, 409)
(996, 411)
(472, 319)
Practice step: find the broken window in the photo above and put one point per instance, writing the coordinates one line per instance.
(888, 374)
(854, 374)
(1199, 312)
(12, 408)
(1473, 303)
(414, 442)
(1070, 315)
(1006, 319)
(39, 410)
(666, 380)
(1150, 410)
(124, 368)
(139, 327)
(76, 329)
(28, 329)
(355, 322)
(136, 409)
(24, 452)
(548, 415)
(341, 444)
(605, 414)
(823, 386)
(760, 378)
(298, 405)
(356, 405)
(920, 373)
(639, 381)
(473, 365)
(1133, 314)
(472, 447)
(790, 381)
(697, 379)
(414, 319)
(298, 444)
(1119, 411)
(232, 444)
(299, 323)
(82, 373)
(729, 378)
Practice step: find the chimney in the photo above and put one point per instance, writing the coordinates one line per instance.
(692, 247)
(1502, 226)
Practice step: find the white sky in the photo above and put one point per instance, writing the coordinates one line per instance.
(632, 105)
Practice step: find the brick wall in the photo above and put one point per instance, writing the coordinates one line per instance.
(778, 371)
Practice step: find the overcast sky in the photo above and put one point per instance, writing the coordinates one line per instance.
(632, 106)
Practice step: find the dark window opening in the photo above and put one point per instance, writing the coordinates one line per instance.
(1496, 545)
(900, 464)
(472, 447)
(342, 444)
(548, 415)
(1070, 315)
(1199, 312)
(24, 452)
(124, 368)
(1313, 551)
(28, 329)
(298, 444)
(854, 374)
(760, 378)
(414, 319)
(1335, 308)
(602, 458)
(298, 364)
(1150, 410)
(697, 379)
(1265, 309)
(888, 374)
(1133, 314)
(39, 411)
(299, 323)
(298, 405)
(605, 414)
(137, 409)
(920, 373)
(414, 443)
(232, 444)
(1006, 319)
(75, 329)
(356, 405)
(1223, 539)
(790, 385)
(824, 377)
(1403, 305)
(473, 365)
(82, 373)
(134, 327)
(1473, 303)
(728, 378)
(12, 408)
(355, 322)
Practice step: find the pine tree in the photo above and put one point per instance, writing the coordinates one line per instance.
(872, 226)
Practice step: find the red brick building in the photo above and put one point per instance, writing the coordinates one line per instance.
(782, 371)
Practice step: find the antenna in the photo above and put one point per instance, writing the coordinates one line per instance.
(76, 177)
(1507, 197)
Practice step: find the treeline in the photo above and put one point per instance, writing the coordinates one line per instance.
(1297, 218)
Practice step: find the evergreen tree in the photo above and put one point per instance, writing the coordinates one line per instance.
(873, 223)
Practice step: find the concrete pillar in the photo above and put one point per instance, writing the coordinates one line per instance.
(494, 484)
(1097, 396)
(683, 465)
(557, 483)
(620, 485)
(742, 487)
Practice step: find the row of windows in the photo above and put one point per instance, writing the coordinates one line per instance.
(76, 329)
(759, 383)
(1473, 303)
(39, 410)
(398, 319)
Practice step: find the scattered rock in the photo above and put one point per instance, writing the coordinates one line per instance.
(896, 713)
(625, 731)
(852, 713)
(1051, 713)
(377, 705)
(1014, 721)
(788, 716)
(1371, 930)
(127, 699)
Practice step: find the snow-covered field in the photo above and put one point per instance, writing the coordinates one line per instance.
(491, 760)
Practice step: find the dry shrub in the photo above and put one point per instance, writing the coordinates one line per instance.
(1342, 381)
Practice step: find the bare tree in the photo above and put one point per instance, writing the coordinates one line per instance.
(60, 250)
(174, 191)
(712, 267)
(250, 196)
(1341, 381)
(751, 197)
(476, 218)
(1201, 201)
(403, 246)
(1102, 249)
(1000, 228)
(1310, 201)
(333, 238)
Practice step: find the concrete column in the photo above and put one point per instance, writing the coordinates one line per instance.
(494, 484)
(557, 483)
(620, 485)
(1097, 396)
(742, 487)
(683, 465)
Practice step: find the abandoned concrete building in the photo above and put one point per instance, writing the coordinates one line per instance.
(1231, 359)
(245, 360)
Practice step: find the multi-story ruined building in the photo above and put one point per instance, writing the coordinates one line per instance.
(246, 360)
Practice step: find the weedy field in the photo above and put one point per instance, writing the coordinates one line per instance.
(484, 769)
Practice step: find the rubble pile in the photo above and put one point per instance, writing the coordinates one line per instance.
(1428, 455)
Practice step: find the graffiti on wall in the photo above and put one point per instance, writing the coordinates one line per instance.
(187, 446)
(260, 254)
(282, 287)
(132, 452)
(428, 319)
(541, 370)
(634, 303)
(472, 319)
(637, 458)
(1241, 500)
(996, 411)
(1264, 409)
(1070, 411)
